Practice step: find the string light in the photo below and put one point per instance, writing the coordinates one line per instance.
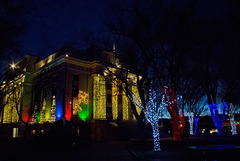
(152, 112)
(196, 125)
(34, 115)
(190, 117)
(170, 98)
(215, 116)
(115, 94)
(125, 105)
(53, 110)
(81, 99)
(233, 125)
(43, 112)
(99, 98)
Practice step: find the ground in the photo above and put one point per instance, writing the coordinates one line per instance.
(39, 150)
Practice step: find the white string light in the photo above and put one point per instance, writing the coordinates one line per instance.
(152, 112)
(231, 112)
(190, 117)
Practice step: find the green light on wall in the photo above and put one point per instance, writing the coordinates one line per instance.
(84, 113)
(38, 116)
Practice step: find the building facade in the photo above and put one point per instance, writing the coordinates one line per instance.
(69, 84)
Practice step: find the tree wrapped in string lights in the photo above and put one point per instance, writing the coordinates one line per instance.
(170, 99)
(190, 118)
(152, 111)
(233, 125)
(215, 116)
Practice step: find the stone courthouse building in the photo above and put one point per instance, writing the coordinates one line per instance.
(70, 84)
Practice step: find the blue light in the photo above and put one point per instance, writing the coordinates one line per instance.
(196, 125)
(215, 116)
(58, 108)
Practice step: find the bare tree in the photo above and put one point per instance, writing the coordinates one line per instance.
(213, 53)
(158, 30)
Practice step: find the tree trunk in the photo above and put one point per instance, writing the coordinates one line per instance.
(190, 117)
(141, 129)
(233, 126)
(196, 119)
(172, 107)
(215, 116)
(176, 129)
(156, 136)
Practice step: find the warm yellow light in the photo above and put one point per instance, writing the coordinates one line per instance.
(99, 98)
(125, 105)
(13, 65)
(115, 100)
(66, 55)
(82, 98)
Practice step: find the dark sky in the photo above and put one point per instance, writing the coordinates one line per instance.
(53, 23)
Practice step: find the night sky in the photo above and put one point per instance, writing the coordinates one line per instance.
(54, 23)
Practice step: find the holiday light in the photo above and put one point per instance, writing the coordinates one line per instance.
(34, 115)
(215, 116)
(80, 105)
(125, 105)
(233, 126)
(190, 117)
(12, 100)
(43, 112)
(170, 98)
(196, 119)
(59, 108)
(53, 110)
(152, 112)
(82, 98)
(115, 93)
(99, 98)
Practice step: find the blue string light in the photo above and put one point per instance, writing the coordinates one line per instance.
(215, 116)
(196, 125)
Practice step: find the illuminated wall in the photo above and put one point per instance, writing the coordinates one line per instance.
(59, 103)
(125, 104)
(117, 106)
(10, 113)
(68, 94)
(115, 93)
(12, 100)
(48, 106)
(27, 97)
(80, 105)
(99, 97)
